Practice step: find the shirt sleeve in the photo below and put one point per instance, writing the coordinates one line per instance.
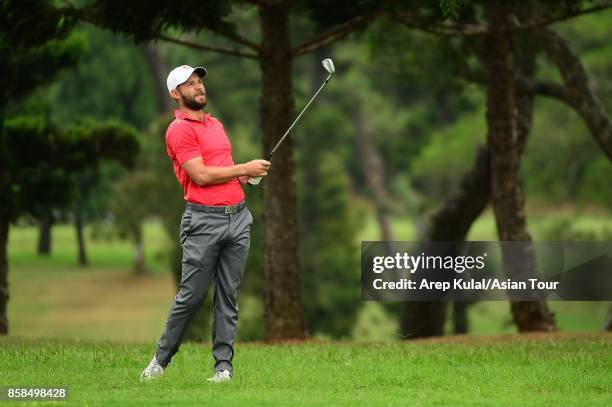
(183, 143)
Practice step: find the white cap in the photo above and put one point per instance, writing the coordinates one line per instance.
(180, 74)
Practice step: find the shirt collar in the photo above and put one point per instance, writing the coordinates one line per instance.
(179, 114)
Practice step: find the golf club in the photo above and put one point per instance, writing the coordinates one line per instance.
(328, 64)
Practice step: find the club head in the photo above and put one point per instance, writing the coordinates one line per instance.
(328, 64)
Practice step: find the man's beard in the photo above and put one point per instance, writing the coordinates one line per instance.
(192, 103)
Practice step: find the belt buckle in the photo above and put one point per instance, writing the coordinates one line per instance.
(231, 209)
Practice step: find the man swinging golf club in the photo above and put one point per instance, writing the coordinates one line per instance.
(215, 228)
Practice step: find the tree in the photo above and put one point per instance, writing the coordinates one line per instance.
(34, 48)
(495, 174)
(275, 53)
(131, 207)
(94, 145)
(507, 194)
(27, 188)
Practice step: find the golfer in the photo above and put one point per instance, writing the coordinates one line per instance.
(215, 228)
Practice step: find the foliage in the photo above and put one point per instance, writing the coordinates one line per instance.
(95, 154)
(112, 80)
(31, 159)
(447, 157)
(329, 264)
(145, 19)
(48, 168)
(595, 186)
(451, 8)
(34, 47)
(415, 73)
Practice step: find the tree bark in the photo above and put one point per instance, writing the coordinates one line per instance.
(4, 287)
(374, 173)
(44, 235)
(461, 323)
(582, 97)
(158, 69)
(78, 223)
(506, 185)
(283, 307)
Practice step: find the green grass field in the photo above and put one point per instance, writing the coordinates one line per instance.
(509, 371)
(94, 329)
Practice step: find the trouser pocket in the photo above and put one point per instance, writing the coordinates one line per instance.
(185, 226)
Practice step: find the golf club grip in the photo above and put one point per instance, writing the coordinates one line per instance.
(257, 180)
(254, 181)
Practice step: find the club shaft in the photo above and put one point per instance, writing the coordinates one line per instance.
(298, 118)
(256, 180)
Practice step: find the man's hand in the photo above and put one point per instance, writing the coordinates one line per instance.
(257, 168)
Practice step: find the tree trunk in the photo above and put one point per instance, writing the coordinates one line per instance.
(461, 323)
(506, 185)
(78, 223)
(44, 236)
(283, 306)
(374, 173)
(4, 287)
(423, 319)
(157, 67)
(453, 220)
(139, 267)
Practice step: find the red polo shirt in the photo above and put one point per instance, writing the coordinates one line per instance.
(187, 138)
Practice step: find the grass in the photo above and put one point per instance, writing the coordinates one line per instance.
(538, 370)
(101, 302)
(539, 221)
(100, 325)
(105, 251)
(52, 297)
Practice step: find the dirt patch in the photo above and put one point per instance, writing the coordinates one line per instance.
(509, 338)
(457, 339)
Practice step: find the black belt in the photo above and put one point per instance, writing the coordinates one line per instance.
(217, 209)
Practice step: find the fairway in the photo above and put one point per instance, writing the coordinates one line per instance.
(557, 369)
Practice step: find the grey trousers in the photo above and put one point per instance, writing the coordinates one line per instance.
(215, 248)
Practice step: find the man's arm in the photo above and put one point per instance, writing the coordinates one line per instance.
(207, 175)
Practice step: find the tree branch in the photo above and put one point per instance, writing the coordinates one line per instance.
(237, 38)
(581, 95)
(462, 30)
(81, 14)
(336, 33)
(542, 88)
(550, 20)
(468, 30)
(220, 50)
(530, 85)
